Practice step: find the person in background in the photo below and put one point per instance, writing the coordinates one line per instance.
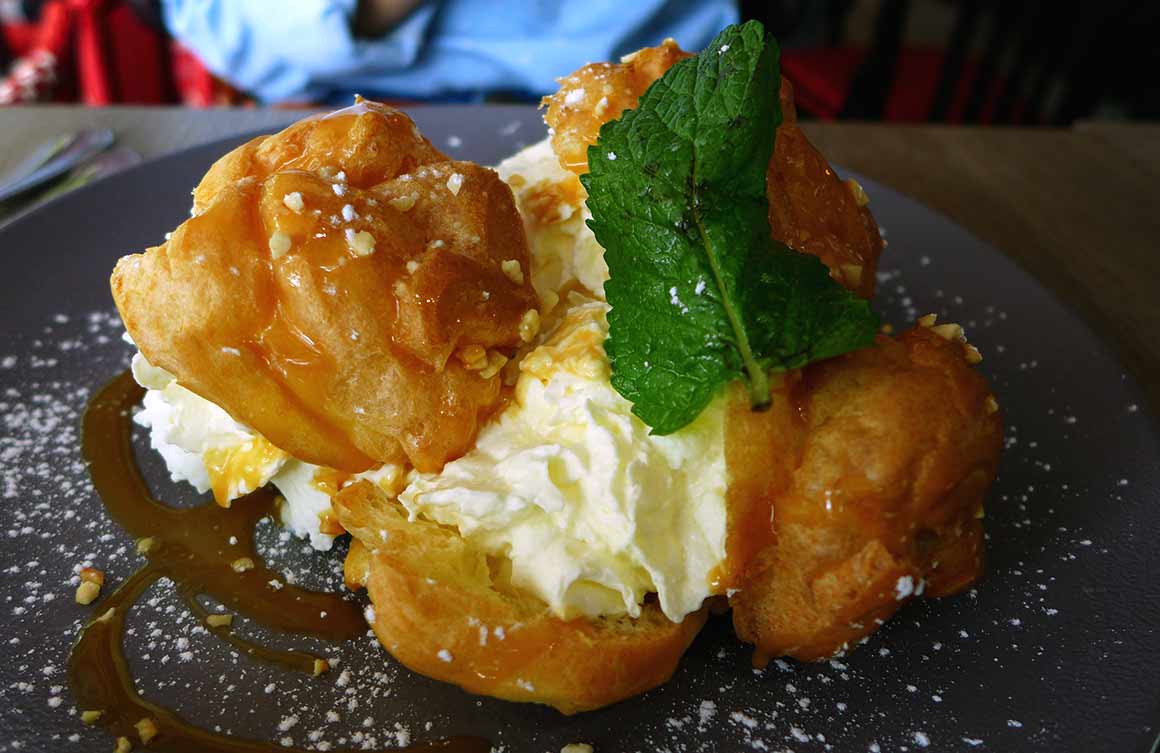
(451, 50)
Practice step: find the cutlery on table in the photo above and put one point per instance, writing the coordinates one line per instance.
(53, 159)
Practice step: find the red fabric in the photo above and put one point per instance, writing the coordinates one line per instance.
(139, 59)
(100, 52)
(822, 79)
(93, 73)
(18, 38)
(195, 83)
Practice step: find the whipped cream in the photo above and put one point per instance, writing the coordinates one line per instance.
(204, 446)
(593, 511)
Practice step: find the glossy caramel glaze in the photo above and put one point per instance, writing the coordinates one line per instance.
(810, 209)
(327, 279)
(598, 93)
(872, 488)
(191, 548)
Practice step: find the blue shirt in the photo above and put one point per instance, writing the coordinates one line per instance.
(305, 50)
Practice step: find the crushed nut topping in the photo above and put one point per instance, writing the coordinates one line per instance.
(219, 620)
(293, 202)
(321, 666)
(474, 357)
(92, 575)
(242, 564)
(91, 716)
(860, 197)
(495, 362)
(145, 545)
(279, 244)
(513, 270)
(362, 242)
(404, 203)
(529, 325)
(87, 592)
(146, 730)
(950, 332)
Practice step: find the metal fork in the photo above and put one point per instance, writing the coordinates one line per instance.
(53, 159)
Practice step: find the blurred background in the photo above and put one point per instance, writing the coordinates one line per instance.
(964, 61)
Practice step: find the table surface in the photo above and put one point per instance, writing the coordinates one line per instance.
(1074, 207)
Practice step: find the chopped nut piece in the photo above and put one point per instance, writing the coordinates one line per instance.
(145, 545)
(328, 524)
(293, 202)
(279, 244)
(860, 197)
(991, 404)
(404, 203)
(928, 320)
(242, 564)
(219, 620)
(474, 357)
(852, 274)
(87, 592)
(515, 180)
(362, 242)
(123, 745)
(510, 373)
(91, 716)
(454, 183)
(576, 748)
(513, 270)
(529, 325)
(146, 729)
(949, 332)
(495, 362)
(321, 666)
(108, 615)
(973, 355)
(92, 575)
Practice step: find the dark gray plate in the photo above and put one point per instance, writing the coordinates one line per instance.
(1055, 650)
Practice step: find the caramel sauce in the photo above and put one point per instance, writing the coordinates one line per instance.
(241, 463)
(552, 201)
(767, 444)
(191, 548)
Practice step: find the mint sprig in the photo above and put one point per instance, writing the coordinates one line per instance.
(700, 294)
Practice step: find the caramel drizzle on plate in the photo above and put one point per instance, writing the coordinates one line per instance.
(191, 548)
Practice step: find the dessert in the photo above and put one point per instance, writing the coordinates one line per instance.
(566, 407)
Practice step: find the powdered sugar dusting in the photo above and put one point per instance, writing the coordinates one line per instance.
(906, 689)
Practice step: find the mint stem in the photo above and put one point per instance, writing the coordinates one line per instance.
(759, 399)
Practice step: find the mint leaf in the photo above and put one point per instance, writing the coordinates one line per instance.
(699, 292)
